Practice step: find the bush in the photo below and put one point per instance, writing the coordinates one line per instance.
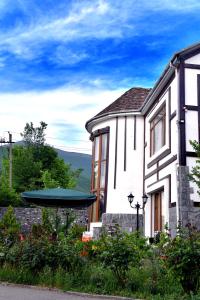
(9, 227)
(121, 251)
(183, 258)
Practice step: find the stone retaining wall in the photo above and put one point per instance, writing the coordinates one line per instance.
(27, 216)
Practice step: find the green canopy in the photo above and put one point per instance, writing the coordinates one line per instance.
(59, 197)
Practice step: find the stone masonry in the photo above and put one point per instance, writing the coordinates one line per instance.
(127, 222)
(27, 216)
(187, 212)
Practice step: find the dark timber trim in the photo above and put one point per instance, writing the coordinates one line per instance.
(192, 66)
(171, 204)
(157, 174)
(116, 145)
(182, 142)
(191, 107)
(167, 151)
(99, 132)
(144, 153)
(198, 101)
(169, 115)
(161, 94)
(159, 189)
(106, 179)
(191, 154)
(190, 53)
(159, 157)
(134, 142)
(165, 164)
(196, 204)
(125, 141)
(173, 115)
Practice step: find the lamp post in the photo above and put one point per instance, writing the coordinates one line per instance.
(137, 206)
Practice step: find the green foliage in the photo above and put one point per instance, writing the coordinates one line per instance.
(121, 251)
(33, 169)
(46, 221)
(195, 172)
(48, 181)
(34, 135)
(76, 231)
(35, 166)
(51, 221)
(26, 171)
(183, 258)
(8, 196)
(121, 264)
(9, 227)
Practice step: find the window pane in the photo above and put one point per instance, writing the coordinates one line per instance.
(94, 212)
(103, 174)
(158, 131)
(158, 136)
(104, 147)
(101, 204)
(96, 155)
(95, 175)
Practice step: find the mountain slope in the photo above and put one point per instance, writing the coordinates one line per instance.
(78, 160)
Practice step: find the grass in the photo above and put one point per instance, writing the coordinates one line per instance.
(95, 280)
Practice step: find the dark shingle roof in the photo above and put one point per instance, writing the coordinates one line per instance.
(130, 100)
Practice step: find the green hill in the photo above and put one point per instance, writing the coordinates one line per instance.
(78, 160)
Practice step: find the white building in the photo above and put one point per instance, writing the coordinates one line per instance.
(141, 145)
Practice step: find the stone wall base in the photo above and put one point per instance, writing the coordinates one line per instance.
(187, 212)
(128, 222)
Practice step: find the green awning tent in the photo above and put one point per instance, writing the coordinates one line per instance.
(58, 197)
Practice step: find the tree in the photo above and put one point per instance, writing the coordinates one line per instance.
(36, 165)
(7, 195)
(34, 135)
(195, 172)
(26, 170)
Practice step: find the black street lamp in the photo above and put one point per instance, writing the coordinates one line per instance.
(137, 206)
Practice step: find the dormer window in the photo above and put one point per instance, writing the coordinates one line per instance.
(158, 131)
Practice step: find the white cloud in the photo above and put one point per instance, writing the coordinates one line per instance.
(65, 56)
(99, 19)
(87, 19)
(55, 107)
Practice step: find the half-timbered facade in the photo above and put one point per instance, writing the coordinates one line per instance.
(141, 144)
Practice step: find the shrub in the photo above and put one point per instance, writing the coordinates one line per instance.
(69, 255)
(9, 227)
(183, 258)
(121, 251)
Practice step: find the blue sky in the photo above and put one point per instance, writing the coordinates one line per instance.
(63, 61)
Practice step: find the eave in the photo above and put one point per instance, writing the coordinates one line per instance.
(107, 116)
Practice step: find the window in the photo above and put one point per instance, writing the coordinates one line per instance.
(158, 131)
(99, 173)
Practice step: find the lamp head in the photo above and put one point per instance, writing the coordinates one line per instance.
(144, 199)
(130, 198)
